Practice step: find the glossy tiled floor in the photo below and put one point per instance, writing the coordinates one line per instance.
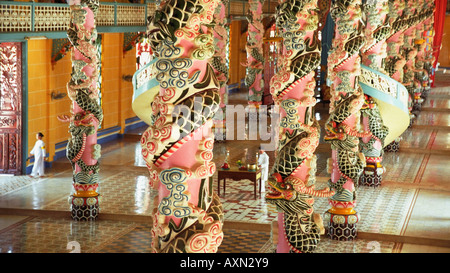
(408, 213)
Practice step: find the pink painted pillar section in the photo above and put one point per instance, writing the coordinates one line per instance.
(346, 163)
(255, 53)
(83, 150)
(178, 144)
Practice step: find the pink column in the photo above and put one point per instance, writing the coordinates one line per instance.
(347, 97)
(422, 62)
(82, 148)
(219, 62)
(428, 36)
(292, 177)
(255, 53)
(373, 54)
(395, 62)
(411, 13)
(178, 144)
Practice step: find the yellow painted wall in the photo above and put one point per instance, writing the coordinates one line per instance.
(444, 55)
(43, 78)
(59, 76)
(39, 68)
(116, 92)
(126, 95)
(111, 78)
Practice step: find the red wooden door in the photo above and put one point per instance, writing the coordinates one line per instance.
(11, 108)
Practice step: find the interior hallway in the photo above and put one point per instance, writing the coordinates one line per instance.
(408, 213)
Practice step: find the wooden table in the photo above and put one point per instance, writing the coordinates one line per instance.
(237, 175)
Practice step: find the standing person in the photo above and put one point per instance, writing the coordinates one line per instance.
(263, 162)
(39, 156)
(244, 159)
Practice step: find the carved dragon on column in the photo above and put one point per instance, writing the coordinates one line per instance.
(254, 47)
(373, 54)
(82, 149)
(422, 61)
(409, 52)
(292, 177)
(427, 58)
(220, 64)
(395, 61)
(178, 144)
(347, 98)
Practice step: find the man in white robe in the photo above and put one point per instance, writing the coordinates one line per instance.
(38, 152)
(263, 163)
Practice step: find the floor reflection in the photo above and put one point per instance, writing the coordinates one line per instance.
(138, 158)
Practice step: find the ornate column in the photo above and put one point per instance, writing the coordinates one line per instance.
(373, 54)
(394, 62)
(178, 144)
(410, 52)
(428, 58)
(423, 60)
(417, 43)
(82, 148)
(255, 52)
(292, 177)
(219, 62)
(341, 129)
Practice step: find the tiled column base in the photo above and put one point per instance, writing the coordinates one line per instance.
(84, 208)
(341, 227)
(370, 180)
(372, 173)
(392, 147)
(417, 106)
(426, 92)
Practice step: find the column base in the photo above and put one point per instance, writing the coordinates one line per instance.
(84, 208)
(412, 116)
(417, 106)
(370, 180)
(341, 227)
(394, 146)
(425, 92)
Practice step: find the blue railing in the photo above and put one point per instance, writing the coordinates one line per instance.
(383, 87)
(19, 20)
(392, 100)
(145, 88)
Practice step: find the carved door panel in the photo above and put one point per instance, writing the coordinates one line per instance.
(11, 108)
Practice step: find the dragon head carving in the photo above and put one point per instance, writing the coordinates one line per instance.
(280, 190)
(289, 194)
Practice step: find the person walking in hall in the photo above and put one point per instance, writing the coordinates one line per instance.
(38, 152)
(263, 162)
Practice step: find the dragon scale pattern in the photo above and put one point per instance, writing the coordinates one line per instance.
(177, 146)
